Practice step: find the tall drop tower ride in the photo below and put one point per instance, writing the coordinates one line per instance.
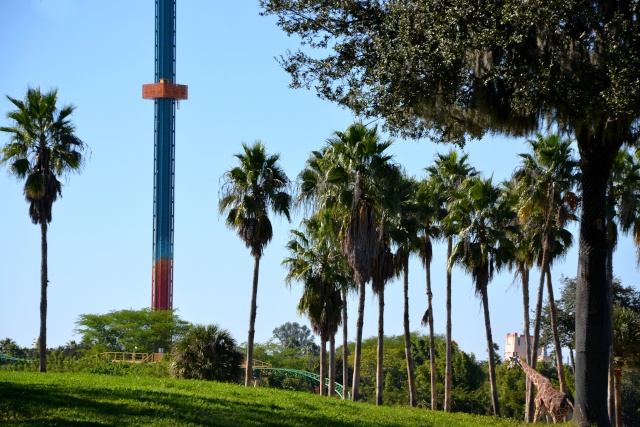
(165, 93)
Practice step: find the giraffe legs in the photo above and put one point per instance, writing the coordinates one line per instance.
(536, 416)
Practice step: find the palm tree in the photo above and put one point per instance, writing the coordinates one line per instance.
(350, 175)
(316, 261)
(483, 246)
(626, 350)
(316, 193)
(249, 191)
(382, 272)
(404, 234)
(522, 262)
(623, 190)
(429, 202)
(42, 147)
(546, 181)
(206, 353)
(448, 173)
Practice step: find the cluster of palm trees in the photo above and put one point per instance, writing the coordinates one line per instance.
(364, 217)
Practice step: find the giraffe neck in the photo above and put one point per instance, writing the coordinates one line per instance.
(536, 377)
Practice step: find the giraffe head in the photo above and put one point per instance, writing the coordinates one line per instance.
(514, 361)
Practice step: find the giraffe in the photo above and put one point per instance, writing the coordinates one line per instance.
(554, 402)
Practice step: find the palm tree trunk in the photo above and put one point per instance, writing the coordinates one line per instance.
(533, 350)
(380, 353)
(332, 365)
(556, 336)
(323, 365)
(492, 363)
(617, 377)
(252, 322)
(411, 377)
(345, 347)
(536, 322)
(524, 275)
(593, 336)
(448, 373)
(432, 346)
(573, 361)
(611, 388)
(44, 281)
(358, 350)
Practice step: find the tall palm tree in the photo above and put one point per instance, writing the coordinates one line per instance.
(42, 147)
(316, 193)
(522, 263)
(316, 261)
(429, 202)
(623, 206)
(350, 175)
(248, 192)
(626, 350)
(382, 272)
(484, 245)
(546, 180)
(404, 234)
(448, 172)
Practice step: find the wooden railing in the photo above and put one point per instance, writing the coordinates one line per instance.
(121, 356)
(257, 364)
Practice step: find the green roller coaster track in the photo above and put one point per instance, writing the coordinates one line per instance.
(4, 359)
(294, 373)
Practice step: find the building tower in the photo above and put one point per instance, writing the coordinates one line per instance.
(165, 94)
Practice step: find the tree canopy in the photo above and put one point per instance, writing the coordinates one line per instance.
(142, 330)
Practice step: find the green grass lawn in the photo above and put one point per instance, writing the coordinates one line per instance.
(28, 398)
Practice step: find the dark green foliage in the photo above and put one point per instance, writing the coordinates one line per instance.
(206, 353)
(631, 398)
(469, 392)
(142, 331)
(10, 348)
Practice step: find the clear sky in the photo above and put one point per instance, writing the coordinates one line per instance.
(98, 55)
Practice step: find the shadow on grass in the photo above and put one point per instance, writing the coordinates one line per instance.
(52, 404)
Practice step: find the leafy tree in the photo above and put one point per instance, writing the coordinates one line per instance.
(631, 398)
(249, 191)
(451, 70)
(143, 330)
(447, 174)
(511, 388)
(294, 336)
(206, 353)
(10, 348)
(42, 148)
(483, 245)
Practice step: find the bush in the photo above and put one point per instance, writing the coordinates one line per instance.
(206, 353)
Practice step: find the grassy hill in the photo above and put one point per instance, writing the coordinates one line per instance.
(28, 398)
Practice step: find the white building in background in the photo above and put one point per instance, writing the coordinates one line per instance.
(515, 345)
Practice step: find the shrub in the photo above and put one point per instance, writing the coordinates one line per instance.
(206, 353)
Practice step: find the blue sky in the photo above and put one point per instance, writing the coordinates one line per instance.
(98, 55)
